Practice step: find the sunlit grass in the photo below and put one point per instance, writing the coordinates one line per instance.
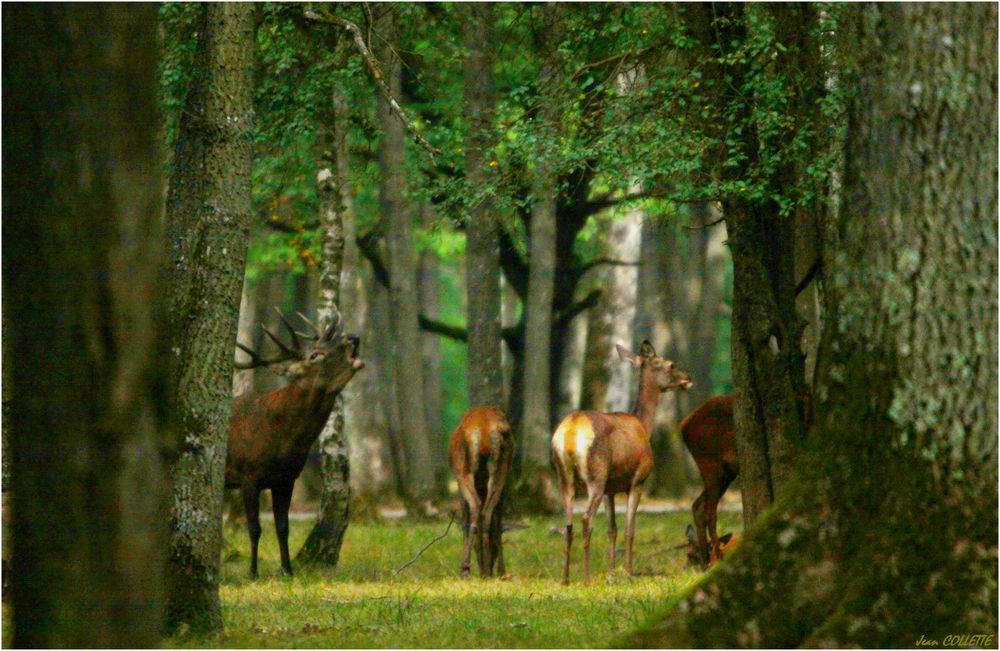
(364, 603)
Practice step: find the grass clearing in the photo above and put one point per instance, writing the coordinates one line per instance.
(363, 604)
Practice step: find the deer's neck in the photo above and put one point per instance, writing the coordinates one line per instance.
(647, 401)
(312, 402)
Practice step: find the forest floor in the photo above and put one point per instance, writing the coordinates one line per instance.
(365, 603)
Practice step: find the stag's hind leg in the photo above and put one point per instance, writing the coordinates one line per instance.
(498, 465)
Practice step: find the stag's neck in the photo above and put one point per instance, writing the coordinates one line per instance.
(314, 404)
(647, 401)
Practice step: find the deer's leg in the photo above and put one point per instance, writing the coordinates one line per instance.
(498, 467)
(498, 523)
(566, 486)
(712, 513)
(281, 499)
(634, 495)
(466, 485)
(251, 502)
(594, 494)
(698, 512)
(609, 506)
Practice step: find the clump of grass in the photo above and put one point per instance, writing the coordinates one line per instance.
(363, 603)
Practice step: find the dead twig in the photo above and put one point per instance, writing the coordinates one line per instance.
(359, 43)
(427, 546)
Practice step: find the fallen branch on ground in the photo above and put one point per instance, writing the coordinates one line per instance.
(427, 546)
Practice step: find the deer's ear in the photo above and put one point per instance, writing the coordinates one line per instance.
(725, 538)
(647, 349)
(690, 535)
(627, 355)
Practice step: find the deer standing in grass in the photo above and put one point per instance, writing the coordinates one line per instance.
(610, 454)
(710, 435)
(270, 433)
(481, 453)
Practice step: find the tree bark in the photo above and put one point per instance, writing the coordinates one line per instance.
(886, 534)
(482, 251)
(624, 243)
(208, 212)
(327, 535)
(83, 248)
(537, 428)
(430, 306)
(397, 219)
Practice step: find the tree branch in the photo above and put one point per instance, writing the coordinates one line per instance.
(611, 261)
(589, 301)
(698, 228)
(458, 333)
(427, 546)
(816, 265)
(366, 54)
(368, 245)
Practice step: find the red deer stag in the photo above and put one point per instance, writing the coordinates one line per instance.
(710, 436)
(481, 453)
(270, 433)
(610, 453)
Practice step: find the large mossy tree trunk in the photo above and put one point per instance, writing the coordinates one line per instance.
(886, 532)
(332, 183)
(397, 223)
(208, 213)
(482, 252)
(83, 242)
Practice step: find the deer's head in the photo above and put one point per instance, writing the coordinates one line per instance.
(327, 360)
(665, 375)
(701, 557)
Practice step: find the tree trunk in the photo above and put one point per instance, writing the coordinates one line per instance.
(886, 534)
(537, 428)
(571, 375)
(624, 243)
(83, 243)
(430, 306)
(208, 211)
(327, 535)
(482, 252)
(398, 224)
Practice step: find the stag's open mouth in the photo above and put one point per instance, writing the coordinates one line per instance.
(355, 345)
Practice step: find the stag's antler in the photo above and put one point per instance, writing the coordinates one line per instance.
(286, 354)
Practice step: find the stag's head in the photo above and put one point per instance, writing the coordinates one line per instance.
(326, 360)
(665, 375)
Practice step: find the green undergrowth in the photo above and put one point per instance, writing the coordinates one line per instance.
(365, 603)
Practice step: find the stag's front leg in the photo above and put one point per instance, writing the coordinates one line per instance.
(251, 502)
(281, 498)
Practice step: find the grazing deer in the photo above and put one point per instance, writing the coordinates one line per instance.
(481, 453)
(727, 544)
(270, 433)
(710, 436)
(610, 453)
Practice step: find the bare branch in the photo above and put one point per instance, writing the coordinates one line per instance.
(698, 228)
(359, 43)
(813, 270)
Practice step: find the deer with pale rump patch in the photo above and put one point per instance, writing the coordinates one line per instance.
(481, 453)
(610, 454)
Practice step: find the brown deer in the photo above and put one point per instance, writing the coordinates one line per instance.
(610, 453)
(709, 432)
(481, 453)
(270, 433)
(710, 436)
